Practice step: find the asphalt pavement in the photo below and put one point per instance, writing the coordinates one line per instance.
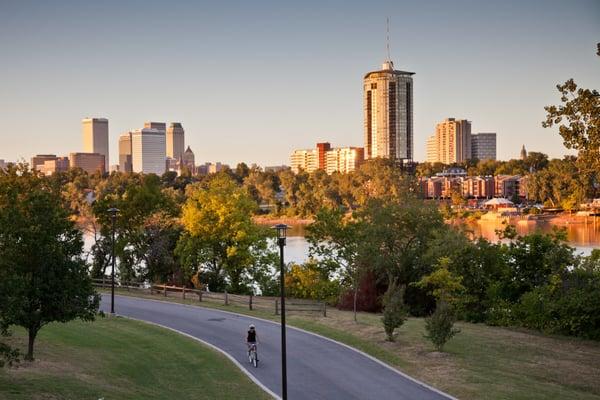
(317, 368)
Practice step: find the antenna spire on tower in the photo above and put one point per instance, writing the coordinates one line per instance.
(389, 58)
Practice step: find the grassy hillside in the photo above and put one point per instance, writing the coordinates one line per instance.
(481, 362)
(117, 358)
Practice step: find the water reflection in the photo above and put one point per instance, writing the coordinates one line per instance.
(583, 236)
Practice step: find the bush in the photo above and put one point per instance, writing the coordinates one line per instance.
(394, 310)
(440, 326)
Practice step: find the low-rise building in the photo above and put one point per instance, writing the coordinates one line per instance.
(344, 159)
(330, 159)
(38, 161)
(89, 162)
(60, 164)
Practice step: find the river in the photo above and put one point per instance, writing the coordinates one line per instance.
(584, 237)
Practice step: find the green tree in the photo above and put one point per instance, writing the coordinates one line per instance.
(578, 121)
(44, 278)
(394, 310)
(396, 236)
(441, 283)
(440, 326)
(335, 240)
(220, 237)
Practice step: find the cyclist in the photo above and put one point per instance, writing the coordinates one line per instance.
(252, 339)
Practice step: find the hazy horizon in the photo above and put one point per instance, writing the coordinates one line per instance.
(252, 82)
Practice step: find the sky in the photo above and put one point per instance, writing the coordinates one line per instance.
(252, 80)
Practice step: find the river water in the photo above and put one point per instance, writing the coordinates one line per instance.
(583, 236)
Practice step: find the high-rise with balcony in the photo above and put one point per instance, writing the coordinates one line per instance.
(125, 164)
(148, 153)
(175, 141)
(451, 142)
(306, 160)
(344, 159)
(95, 137)
(388, 113)
(483, 146)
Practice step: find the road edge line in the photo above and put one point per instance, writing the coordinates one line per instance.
(375, 359)
(212, 346)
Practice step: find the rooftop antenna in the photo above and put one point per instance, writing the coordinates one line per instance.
(389, 58)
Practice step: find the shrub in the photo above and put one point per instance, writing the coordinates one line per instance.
(394, 310)
(440, 326)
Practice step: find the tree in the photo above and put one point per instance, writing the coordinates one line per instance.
(220, 237)
(441, 283)
(335, 240)
(578, 121)
(308, 281)
(395, 238)
(44, 278)
(394, 310)
(440, 326)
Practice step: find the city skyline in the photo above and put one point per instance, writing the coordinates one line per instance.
(512, 56)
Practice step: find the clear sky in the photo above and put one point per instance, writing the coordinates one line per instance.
(252, 80)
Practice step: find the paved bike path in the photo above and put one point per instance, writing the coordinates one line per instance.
(317, 368)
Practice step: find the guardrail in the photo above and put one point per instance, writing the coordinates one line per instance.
(264, 303)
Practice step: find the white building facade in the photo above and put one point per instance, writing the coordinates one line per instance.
(148, 154)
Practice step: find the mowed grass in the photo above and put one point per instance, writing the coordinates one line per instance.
(481, 362)
(118, 358)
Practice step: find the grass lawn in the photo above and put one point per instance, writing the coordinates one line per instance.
(117, 358)
(481, 362)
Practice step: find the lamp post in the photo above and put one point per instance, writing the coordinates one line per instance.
(113, 214)
(281, 232)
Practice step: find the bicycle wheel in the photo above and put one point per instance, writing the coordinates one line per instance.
(254, 359)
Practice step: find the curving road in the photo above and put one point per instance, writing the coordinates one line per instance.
(317, 368)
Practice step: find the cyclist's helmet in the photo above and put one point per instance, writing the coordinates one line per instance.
(251, 326)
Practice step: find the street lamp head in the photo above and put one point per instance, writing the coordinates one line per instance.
(281, 230)
(113, 211)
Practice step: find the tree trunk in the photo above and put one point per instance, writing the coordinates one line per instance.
(32, 334)
(355, 297)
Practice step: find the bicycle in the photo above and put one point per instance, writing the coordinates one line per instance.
(252, 355)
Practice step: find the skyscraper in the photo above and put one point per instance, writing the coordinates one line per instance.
(483, 146)
(388, 113)
(451, 142)
(175, 140)
(148, 151)
(95, 137)
(125, 164)
(161, 126)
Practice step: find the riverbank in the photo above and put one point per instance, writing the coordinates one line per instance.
(292, 221)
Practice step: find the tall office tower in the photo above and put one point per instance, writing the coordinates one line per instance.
(344, 159)
(188, 159)
(148, 151)
(483, 146)
(175, 140)
(89, 162)
(388, 113)
(451, 142)
(95, 137)
(322, 149)
(125, 164)
(161, 126)
(306, 160)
